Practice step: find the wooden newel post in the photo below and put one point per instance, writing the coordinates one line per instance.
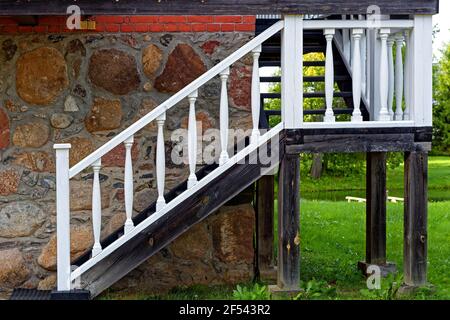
(289, 224)
(415, 219)
(62, 216)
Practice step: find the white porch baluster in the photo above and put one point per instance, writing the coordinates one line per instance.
(383, 114)
(256, 95)
(160, 162)
(192, 139)
(329, 76)
(224, 117)
(363, 63)
(356, 75)
(407, 77)
(390, 45)
(128, 187)
(399, 78)
(62, 216)
(96, 208)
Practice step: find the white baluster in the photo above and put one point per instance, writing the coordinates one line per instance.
(160, 162)
(128, 187)
(224, 117)
(356, 75)
(192, 139)
(62, 216)
(399, 77)
(256, 95)
(363, 63)
(390, 45)
(329, 76)
(96, 208)
(407, 77)
(383, 114)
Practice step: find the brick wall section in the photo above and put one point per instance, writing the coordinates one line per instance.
(125, 24)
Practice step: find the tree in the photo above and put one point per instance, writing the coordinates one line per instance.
(441, 106)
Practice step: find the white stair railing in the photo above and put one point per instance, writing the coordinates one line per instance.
(190, 92)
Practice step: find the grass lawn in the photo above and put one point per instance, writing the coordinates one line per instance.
(333, 241)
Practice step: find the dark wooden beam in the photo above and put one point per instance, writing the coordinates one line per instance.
(289, 224)
(174, 223)
(216, 7)
(415, 219)
(264, 205)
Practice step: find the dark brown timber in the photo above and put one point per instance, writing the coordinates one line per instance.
(216, 7)
(265, 188)
(376, 208)
(415, 219)
(289, 223)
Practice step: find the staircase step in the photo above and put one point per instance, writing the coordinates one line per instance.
(308, 95)
(306, 79)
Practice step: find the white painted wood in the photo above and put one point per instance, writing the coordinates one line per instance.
(391, 86)
(356, 24)
(160, 163)
(255, 95)
(356, 75)
(192, 140)
(399, 77)
(383, 114)
(407, 80)
(329, 76)
(346, 42)
(238, 158)
(422, 60)
(128, 185)
(62, 216)
(96, 208)
(363, 64)
(224, 117)
(176, 98)
(363, 124)
(292, 72)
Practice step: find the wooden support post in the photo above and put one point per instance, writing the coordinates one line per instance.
(376, 214)
(288, 225)
(265, 188)
(415, 219)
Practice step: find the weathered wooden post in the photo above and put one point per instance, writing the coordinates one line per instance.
(376, 214)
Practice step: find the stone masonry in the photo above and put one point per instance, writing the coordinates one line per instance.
(85, 87)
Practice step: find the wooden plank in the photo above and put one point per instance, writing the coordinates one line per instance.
(174, 223)
(289, 223)
(265, 188)
(415, 219)
(212, 7)
(376, 208)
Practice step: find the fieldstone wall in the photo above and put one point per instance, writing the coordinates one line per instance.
(84, 88)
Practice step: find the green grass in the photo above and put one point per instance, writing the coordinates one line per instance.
(333, 241)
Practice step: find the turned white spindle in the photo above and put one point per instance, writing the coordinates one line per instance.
(128, 185)
(383, 114)
(256, 96)
(329, 76)
(62, 216)
(363, 63)
(160, 162)
(224, 117)
(399, 77)
(407, 77)
(390, 46)
(192, 140)
(356, 75)
(96, 208)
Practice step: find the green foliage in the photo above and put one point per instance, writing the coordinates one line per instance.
(255, 292)
(441, 108)
(316, 290)
(388, 291)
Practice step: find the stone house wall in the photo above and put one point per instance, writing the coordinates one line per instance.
(84, 87)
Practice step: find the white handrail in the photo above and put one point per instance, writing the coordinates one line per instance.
(177, 97)
(356, 24)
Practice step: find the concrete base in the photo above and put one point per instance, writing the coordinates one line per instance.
(279, 293)
(386, 269)
(408, 290)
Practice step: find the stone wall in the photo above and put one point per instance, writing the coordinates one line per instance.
(83, 88)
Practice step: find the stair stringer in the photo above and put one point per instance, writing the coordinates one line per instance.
(179, 219)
